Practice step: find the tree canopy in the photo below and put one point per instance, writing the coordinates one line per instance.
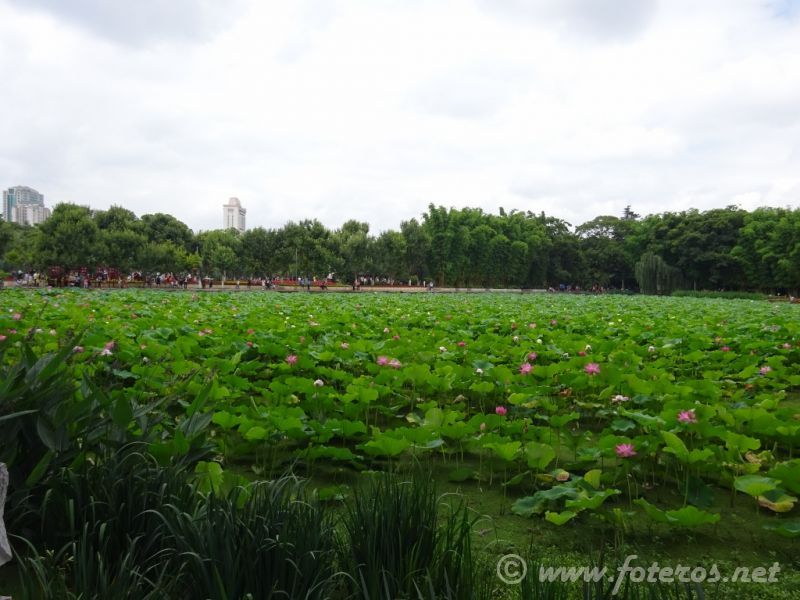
(726, 248)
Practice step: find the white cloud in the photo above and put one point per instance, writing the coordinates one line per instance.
(366, 110)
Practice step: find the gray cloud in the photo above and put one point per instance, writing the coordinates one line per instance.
(142, 21)
(596, 19)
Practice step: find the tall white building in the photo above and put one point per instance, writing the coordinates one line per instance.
(233, 215)
(31, 214)
(24, 205)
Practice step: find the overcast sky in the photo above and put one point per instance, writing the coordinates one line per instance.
(373, 109)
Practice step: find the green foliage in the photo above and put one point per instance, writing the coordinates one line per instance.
(128, 527)
(69, 239)
(721, 249)
(655, 276)
(266, 539)
(691, 401)
(398, 544)
(710, 294)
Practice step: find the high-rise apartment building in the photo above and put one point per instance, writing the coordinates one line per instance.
(31, 214)
(24, 205)
(233, 215)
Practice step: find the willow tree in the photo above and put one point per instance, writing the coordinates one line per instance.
(655, 276)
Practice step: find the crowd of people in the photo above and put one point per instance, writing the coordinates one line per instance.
(113, 278)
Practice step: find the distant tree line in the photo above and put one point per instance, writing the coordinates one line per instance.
(730, 248)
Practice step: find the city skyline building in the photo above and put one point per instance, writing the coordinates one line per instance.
(31, 214)
(233, 215)
(24, 205)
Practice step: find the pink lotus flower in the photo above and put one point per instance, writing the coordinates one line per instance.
(725, 349)
(786, 345)
(77, 349)
(764, 370)
(12, 331)
(383, 360)
(687, 416)
(251, 331)
(553, 322)
(16, 316)
(532, 356)
(531, 325)
(345, 345)
(319, 383)
(291, 359)
(106, 351)
(619, 398)
(3, 338)
(461, 344)
(249, 344)
(395, 337)
(501, 410)
(201, 333)
(625, 450)
(525, 368)
(581, 353)
(592, 369)
(395, 364)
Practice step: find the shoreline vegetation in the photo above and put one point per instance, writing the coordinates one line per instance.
(720, 249)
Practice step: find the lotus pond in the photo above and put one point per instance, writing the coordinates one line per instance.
(573, 422)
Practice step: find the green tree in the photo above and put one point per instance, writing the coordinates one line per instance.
(160, 227)
(768, 249)
(219, 250)
(121, 248)
(353, 245)
(6, 235)
(117, 218)
(258, 249)
(417, 248)
(605, 251)
(163, 257)
(389, 255)
(69, 239)
(21, 243)
(437, 225)
(655, 276)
